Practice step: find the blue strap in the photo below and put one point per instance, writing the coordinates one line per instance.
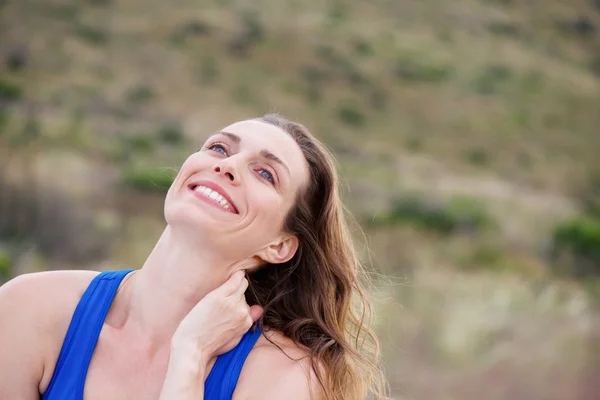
(224, 375)
(68, 380)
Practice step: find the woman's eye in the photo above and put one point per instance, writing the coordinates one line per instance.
(267, 175)
(218, 148)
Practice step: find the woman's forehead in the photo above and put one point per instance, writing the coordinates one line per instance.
(256, 130)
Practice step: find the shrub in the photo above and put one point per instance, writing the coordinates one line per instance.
(351, 115)
(65, 12)
(91, 35)
(6, 264)
(588, 195)
(9, 91)
(506, 29)
(149, 179)
(362, 48)
(252, 33)
(138, 142)
(594, 65)
(378, 98)
(416, 70)
(171, 133)
(337, 13)
(576, 247)
(195, 28)
(478, 156)
(4, 119)
(492, 78)
(580, 27)
(313, 75)
(460, 214)
(16, 57)
(532, 82)
(139, 94)
(190, 29)
(340, 66)
(209, 69)
(314, 78)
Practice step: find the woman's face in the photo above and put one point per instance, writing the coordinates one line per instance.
(237, 190)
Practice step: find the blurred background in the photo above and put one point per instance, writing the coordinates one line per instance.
(467, 133)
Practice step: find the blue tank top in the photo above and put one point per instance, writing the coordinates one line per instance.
(71, 368)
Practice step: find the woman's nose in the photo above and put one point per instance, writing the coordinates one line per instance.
(227, 168)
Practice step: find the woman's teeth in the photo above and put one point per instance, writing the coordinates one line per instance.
(213, 195)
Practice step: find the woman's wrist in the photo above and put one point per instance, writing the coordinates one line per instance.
(188, 353)
(185, 374)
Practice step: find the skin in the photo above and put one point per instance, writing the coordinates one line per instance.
(185, 306)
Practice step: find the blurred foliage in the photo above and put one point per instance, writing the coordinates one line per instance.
(492, 79)
(576, 247)
(92, 35)
(588, 195)
(171, 133)
(148, 179)
(351, 115)
(458, 215)
(139, 94)
(413, 68)
(6, 264)
(9, 91)
(137, 143)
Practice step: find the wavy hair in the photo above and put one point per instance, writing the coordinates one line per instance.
(317, 298)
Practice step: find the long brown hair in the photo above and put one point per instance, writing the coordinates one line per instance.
(317, 298)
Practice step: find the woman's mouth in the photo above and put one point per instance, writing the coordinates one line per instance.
(214, 197)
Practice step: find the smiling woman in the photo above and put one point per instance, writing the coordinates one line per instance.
(250, 292)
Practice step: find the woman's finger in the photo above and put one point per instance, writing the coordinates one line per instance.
(241, 289)
(232, 284)
(256, 312)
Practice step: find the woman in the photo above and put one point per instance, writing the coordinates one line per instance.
(260, 199)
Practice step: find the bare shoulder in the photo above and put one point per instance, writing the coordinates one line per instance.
(42, 296)
(277, 368)
(37, 308)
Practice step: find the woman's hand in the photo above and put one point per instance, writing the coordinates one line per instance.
(218, 322)
(213, 327)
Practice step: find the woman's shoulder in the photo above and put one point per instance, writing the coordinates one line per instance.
(274, 344)
(38, 307)
(277, 367)
(41, 294)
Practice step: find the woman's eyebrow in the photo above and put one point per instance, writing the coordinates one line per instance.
(234, 138)
(270, 156)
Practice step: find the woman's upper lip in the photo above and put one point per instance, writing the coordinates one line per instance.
(216, 188)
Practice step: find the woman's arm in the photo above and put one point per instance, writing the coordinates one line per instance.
(35, 311)
(185, 375)
(27, 311)
(21, 368)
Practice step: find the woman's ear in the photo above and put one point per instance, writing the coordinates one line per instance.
(280, 251)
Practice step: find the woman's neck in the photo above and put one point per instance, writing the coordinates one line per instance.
(174, 278)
